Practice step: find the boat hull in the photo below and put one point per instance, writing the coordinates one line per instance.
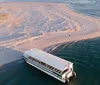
(62, 80)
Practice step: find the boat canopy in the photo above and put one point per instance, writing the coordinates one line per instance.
(49, 59)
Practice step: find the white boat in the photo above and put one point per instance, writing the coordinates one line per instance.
(52, 65)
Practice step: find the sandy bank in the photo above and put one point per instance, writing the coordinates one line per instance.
(40, 25)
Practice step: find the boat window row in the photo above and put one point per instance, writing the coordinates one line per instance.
(64, 71)
(46, 65)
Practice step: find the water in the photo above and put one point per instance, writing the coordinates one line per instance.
(86, 58)
(91, 9)
(87, 7)
(20, 73)
(84, 54)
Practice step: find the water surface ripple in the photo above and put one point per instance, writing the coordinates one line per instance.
(86, 58)
(84, 54)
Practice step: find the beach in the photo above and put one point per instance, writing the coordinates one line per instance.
(39, 25)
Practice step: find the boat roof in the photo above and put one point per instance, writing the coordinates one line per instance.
(49, 59)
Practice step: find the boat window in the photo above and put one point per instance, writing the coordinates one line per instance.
(29, 57)
(43, 64)
(50, 67)
(59, 71)
(65, 71)
(46, 65)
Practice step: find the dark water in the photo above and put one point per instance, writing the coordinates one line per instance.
(92, 8)
(86, 58)
(20, 73)
(84, 54)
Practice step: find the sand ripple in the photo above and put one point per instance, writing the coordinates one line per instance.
(27, 25)
(35, 19)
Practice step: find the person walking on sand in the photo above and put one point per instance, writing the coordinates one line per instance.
(69, 35)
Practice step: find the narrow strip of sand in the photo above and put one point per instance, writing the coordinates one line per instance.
(60, 24)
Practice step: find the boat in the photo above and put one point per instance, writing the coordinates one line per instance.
(52, 65)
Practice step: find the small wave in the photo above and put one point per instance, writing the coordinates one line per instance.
(85, 55)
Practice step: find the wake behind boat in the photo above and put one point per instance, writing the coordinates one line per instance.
(50, 64)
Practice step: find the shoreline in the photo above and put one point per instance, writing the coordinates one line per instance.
(51, 49)
(87, 27)
(71, 8)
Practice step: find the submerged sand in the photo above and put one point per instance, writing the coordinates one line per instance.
(27, 25)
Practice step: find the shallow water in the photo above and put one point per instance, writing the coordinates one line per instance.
(87, 7)
(90, 9)
(84, 54)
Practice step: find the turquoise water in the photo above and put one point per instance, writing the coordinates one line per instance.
(84, 54)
